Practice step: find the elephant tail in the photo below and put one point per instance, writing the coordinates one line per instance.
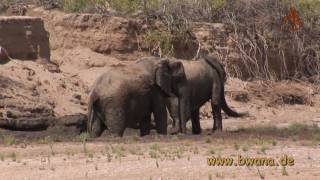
(215, 64)
(226, 108)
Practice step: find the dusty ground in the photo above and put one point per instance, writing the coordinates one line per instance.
(284, 118)
(158, 157)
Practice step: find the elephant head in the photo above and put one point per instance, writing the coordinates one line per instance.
(171, 78)
(168, 74)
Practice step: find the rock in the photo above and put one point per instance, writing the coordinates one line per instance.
(4, 57)
(24, 37)
(240, 96)
(77, 96)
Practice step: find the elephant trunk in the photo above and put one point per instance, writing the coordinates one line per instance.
(95, 125)
(92, 99)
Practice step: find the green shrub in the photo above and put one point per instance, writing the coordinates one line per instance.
(216, 4)
(9, 140)
(308, 9)
(160, 40)
(81, 5)
(125, 6)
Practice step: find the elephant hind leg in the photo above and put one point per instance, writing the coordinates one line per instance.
(216, 103)
(217, 118)
(160, 113)
(196, 128)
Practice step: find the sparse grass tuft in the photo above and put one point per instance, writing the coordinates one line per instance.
(2, 156)
(90, 154)
(219, 175)
(261, 175)
(245, 148)
(236, 146)
(155, 147)
(284, 171)
(274, 142)
(48, 140)
(160, 42)
(109, 157)
(195, 150)
(179, 152)
(119, 151)
(153, 154)
(136, 151)
(125, 6)
(154, 151)
(295, 128)
(211, 151)
(9, 140)
(208, 140)
(80, 5)
(13, 156)
(263, 148)
(83, 138)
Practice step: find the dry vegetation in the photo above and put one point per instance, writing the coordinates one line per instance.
(258, 32)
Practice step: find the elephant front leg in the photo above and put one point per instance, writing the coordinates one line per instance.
(145, 126)
(184, 114)
(196, 128)
(160, 113)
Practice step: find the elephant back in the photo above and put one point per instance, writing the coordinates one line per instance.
(120, 81)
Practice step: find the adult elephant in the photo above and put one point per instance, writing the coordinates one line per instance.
(204, 81)
(127, 95)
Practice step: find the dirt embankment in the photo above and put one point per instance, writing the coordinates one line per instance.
(106, 34)
(34, 95)
(85, 45)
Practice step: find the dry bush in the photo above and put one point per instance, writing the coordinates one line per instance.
(170, 31)
(262, 42)
(49, 4)
(284, 92)
(267, 47)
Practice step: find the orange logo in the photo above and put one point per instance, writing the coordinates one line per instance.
(293, 20)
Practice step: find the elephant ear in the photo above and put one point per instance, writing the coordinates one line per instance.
(177, 71)
(162, 76)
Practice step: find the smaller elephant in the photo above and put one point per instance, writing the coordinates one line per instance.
(126, 96)
(204, 81)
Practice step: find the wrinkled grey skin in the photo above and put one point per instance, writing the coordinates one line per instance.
(178, 81)
(204, 81)
(126, 96)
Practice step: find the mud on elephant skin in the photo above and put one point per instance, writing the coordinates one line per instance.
(127, 95)
(204, 81)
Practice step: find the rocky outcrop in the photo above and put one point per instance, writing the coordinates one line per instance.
(24, 37)
(101, 33)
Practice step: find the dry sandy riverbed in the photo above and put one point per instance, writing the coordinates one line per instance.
(164, 157)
